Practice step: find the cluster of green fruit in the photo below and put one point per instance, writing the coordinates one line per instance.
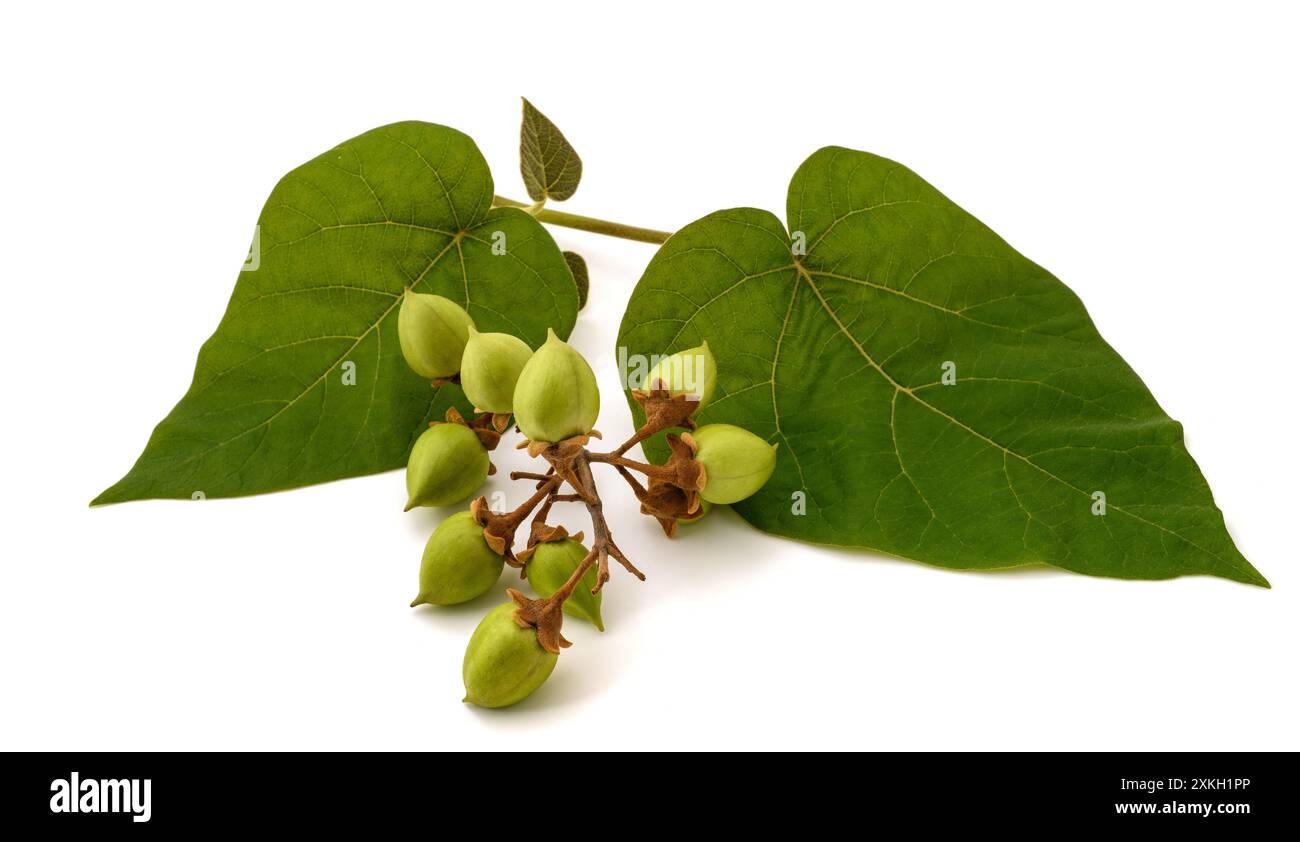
(552, 396)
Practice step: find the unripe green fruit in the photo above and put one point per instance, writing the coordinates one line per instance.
(447, 464)
(736, 462)
(458, 565)
(490, 368)
(692, 373)
(551, 565)
(432, 331)
(556, 397)
(504, 663)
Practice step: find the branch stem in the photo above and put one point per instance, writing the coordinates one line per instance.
(585, 223)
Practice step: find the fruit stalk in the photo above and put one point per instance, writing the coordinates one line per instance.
(656, 471)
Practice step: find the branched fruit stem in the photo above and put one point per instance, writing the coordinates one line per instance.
(576, 468)
(570, 463)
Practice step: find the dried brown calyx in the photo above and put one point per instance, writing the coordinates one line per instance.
(487, 426)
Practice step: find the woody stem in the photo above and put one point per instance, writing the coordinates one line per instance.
(530, 475)
(545, 509)
(576, 469)
(566, 590)
(638, 489)
(549, 486)
(600, 529)
(639, 436)
(657, 471)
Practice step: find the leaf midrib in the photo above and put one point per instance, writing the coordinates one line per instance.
(804, 275)
(455, 241)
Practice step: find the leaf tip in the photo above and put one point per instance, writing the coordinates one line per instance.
(107, 496)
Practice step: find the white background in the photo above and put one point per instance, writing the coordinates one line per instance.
(1144, 153)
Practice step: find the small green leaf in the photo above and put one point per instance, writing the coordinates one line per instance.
(304, 380)
(936, 395)
(578, 267)
(550, 167)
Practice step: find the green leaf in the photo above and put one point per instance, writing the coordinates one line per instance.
(839, 354)
(304, 381)
(578, 267)
(550, 167)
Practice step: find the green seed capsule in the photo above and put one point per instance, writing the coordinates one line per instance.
(490, 368)
(551, 565)
(458, 565)
(432, 331)
(447, 464)
(692, 373)
(504, 663)
(556, 397)
(736, 462)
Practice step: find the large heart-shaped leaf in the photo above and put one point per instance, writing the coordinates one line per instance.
(304, 381)
(838, 340)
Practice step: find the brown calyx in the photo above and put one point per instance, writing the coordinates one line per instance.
(543, 533)
(663, 410)
(487, 427)
(499, 529)
(544, 615)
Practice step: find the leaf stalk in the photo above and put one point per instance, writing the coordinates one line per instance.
(585, 223)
